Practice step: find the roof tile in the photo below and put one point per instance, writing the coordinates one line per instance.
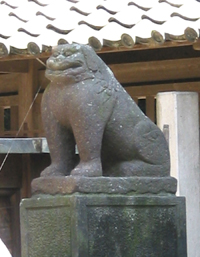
(175, 2)
(144, 29)
(144, 3)
(190, 10)
(12, 25)
(81, 34)
(48, 38)
(176, 26)
(5, 10)
(112, 32)
(68, 22)
(160, 12)
(47, 2)
(87, 6)
(26, 12)
(99, 18)
(21, 41)
(38, 23)
(129, 15)
(14, 3)
(113, 6)
(53, 10)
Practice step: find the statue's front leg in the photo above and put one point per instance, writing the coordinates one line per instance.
(61, 144)
(88, 126)
(89, 146)
(91, 112)
(62, 151)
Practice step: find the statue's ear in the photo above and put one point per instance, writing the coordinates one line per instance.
(91, 58)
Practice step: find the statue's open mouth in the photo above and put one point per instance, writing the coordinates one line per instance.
(73, 65)
(64, 69)
(62, 66)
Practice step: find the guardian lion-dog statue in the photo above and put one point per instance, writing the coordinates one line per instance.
(85, 105)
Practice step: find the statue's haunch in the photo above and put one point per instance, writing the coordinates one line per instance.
(85, 105)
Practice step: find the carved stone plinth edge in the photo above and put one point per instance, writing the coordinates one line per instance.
(109, 185)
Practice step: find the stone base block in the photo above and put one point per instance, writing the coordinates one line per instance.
(103, 225)
(109, 185)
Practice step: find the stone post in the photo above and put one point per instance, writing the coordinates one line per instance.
(180, 111)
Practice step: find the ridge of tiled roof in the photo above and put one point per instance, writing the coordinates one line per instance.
(34, 26)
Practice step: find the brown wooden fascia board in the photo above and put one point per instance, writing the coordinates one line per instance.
(43, 56)
(157, 70)
(14, 66)
(10, 82)
(152, 90)
(9, 101)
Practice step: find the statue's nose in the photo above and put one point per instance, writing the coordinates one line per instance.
(59, 58)
(51, 62)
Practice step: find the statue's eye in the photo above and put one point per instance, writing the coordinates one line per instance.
(55, 54)
(67, 54)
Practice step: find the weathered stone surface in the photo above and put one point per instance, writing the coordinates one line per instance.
(110, 185)
(46, 227)
(85, 104)
(86, 225)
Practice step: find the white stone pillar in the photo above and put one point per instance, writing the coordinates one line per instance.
(180, 110)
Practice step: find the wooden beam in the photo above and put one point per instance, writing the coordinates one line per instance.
(9, 100)
(19, 57)
(1, 119)
(14, 66)
(10, 82)
(139, 91)
(196, 45)
(11, 173)
(149, 71)
(135, 99)
(149, 54)
(42, 80)
(37, 118)
(14, 118)
(26, 176)
(157, 70)
(27, 90)
(136, 47)
(150, 107)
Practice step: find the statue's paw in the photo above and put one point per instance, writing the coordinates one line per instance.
(52, 171)
(88, 169)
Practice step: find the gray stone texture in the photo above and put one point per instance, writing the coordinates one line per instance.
(88, 225)
(115, 185)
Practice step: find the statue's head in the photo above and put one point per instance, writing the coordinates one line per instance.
(70, 62)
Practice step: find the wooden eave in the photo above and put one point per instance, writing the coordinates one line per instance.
(106, 49)
(170, 61)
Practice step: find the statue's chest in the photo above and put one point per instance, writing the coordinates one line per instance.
(57, 96)
(62, 99)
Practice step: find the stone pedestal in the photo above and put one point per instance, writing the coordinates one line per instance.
(110, 221)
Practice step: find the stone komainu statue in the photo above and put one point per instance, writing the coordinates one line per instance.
(85, 105)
